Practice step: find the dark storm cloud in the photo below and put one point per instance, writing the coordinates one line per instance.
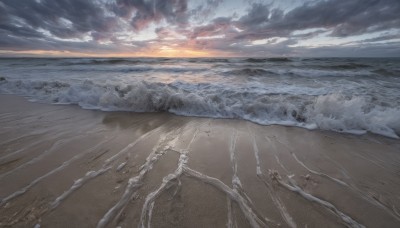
(349, 17)
(345, 17)
(146, 12)
(29, 21)
(61, 18)
(36, 25)
(51, 24)
(342, 18)
(205, 10)
(335, 18)
(218, 26)
(23, 44)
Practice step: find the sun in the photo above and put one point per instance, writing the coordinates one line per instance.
(182, 52)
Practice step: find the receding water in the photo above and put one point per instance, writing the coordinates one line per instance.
(353, 95)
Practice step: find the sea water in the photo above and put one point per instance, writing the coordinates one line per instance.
(354, 95)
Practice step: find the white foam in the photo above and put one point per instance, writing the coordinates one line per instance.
(164, 144)
(294, 188)
(278, 203)
(121, 166)
(4, 159)
(351, 101)
(319, 173)
(253, 219)
(351, 186)
(53, 171)
(355, 115)
(55, 145)
(232, 151)
(257, 156)
(106, 166)
(166, 182)
(77, 184)
(274, 197)
(230, 223)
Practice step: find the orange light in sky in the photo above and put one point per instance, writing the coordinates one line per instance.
(41, 53)
(181, 52)
(175, 52)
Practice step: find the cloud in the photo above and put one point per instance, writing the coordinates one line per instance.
(257, 16)
(61, 18)
(217, 26)
(205, 10)
(112, 25)
(342, 18)
(76, 18)
(145, 12)
(382, 38)
(335, 18)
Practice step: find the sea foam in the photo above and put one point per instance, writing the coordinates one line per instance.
(330, 112)
(292, 92)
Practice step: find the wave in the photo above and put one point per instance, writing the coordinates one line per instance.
(114, 61)
(99, 62)
(249, 71)
(263, 60)
(348, 66)
(353, 114)
(136, 61)
(208, 60)
(128, 69)
(386, 72)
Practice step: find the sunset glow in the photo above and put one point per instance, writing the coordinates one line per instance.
(184, 28)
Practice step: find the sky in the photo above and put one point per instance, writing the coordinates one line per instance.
(200, 28)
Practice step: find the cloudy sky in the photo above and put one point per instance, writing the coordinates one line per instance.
(192, 28)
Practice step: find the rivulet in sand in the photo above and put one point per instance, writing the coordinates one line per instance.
(61, 166)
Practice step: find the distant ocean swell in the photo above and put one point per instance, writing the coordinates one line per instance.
(127, 61)
(328, 110)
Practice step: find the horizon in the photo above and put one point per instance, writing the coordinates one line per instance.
(200, 29)
(195, 57)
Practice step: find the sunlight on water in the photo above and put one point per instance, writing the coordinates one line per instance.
(345, 95)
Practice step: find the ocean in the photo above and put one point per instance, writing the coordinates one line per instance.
(352, 95)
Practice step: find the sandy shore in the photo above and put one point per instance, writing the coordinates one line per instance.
(61, 166)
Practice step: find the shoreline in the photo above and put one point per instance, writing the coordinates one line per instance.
(310, 127)
(65, 166)
(313, 94)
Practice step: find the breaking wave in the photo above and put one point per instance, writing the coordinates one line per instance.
(114, 61)
(331, 111)
(263, 60)
(249, 71)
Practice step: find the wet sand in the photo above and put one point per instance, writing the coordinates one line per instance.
(61, 166)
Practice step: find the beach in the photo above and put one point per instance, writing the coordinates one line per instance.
(63, 166)
(199, 114)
